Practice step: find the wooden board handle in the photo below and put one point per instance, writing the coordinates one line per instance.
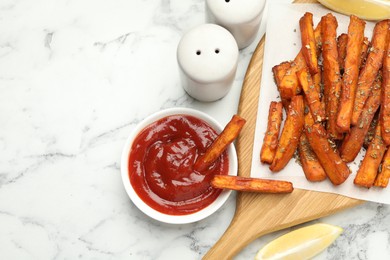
(230, 244)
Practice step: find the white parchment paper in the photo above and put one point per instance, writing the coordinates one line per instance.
(283, 43)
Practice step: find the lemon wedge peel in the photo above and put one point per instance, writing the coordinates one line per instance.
(365, 9)
(303, 243)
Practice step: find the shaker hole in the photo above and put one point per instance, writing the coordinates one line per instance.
(227, 1)
(198, 52)
(216, 51)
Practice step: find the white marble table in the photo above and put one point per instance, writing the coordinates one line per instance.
(75, 78)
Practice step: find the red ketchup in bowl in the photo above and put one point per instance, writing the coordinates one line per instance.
(161, 165)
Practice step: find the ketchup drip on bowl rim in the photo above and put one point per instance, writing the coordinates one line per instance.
(161, 164)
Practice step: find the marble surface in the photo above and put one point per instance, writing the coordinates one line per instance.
(75, 78)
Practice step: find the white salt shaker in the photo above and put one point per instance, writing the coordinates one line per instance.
(207, 57)
(241, 17)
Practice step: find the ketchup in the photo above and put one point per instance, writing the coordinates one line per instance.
(161, 165)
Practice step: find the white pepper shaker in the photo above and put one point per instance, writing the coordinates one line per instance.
(207, 57)
(241, 17)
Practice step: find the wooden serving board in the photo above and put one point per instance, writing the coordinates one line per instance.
(260, 214)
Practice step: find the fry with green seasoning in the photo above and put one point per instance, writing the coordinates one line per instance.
(351, 73)
(371, 130)
(353, 140)
(312, 95)
(335, 168)
(363, 56)
(228, 135)
(309, 120)
(289, 83)
(279, 71)
(368, 169)
(309, 161)
(382, 179)
(317, 83)
(291, 132)
(370, 70)
(342, 49)
(385, 104)
(331, 73)
(270, 141)
(251, 184)
(317, 80)
(317, 37)
(308, 40)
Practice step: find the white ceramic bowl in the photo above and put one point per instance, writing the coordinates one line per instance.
(175, 219)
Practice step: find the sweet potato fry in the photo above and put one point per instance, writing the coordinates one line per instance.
(251, 184)
(291, 132)
(382, 179)
(371, 130)
(351, 73)
(368, 169)
(271, 136)
(353, 141)
(370, 70)
(279, 71)
(335, 168)
(229, 133)
(312, 95)
(317, 80)
(342, 49)
(385, 102)
(331, 73)
(308, 40)
(289, 84)
(309, 161)
(317, 83)
(318, 39)
(364, 53)
(309, 120)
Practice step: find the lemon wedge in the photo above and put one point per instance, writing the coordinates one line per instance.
(365, 9)
(303, 243)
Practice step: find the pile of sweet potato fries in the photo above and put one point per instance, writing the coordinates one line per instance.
(336, 93)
